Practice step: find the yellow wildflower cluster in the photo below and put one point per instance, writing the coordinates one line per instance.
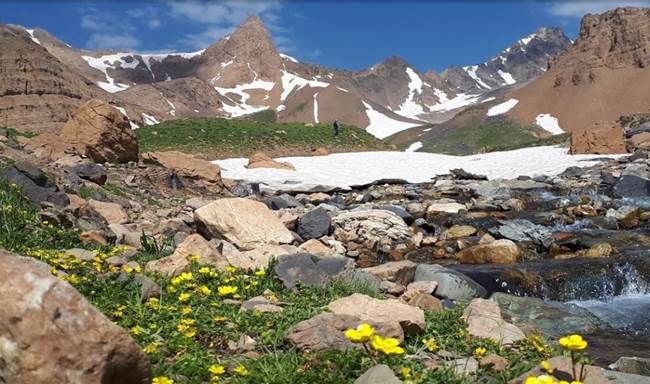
(365, 333)
(480, 352)
(186, 328)
(216, 371)
(162, 380)
(227, 290)
(430, 344)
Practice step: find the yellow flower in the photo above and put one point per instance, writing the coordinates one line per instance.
(153, 303)
(217, 369)
(543, 379)
(226, 290)
(480, 352)
(406, 372)
(361, 334)
(193, 259)
(137, 330)
(260, 273)
(241, 370)
(186, 311)
(431, 345)
(183, 297)
(546, 366)
(151, 347)
(388, 345)
(204, 270)
(230, 269)
(219, 319)
(573, 343)
(162, 380)
(205, 290)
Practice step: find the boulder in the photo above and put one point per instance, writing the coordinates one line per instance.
(259, 258)
(34, 185)
(501, 251)
(369, 234)
(314, 224)
(101, 132)
(326, 331)
(113, 213)
(458, 231)
(498, 363)
(426, 302)
(445, 208)
(315, 247)
(194, 245)
(320, 151)
(524, 230)
(400, 272)
(632, 186)
(483, 318)
(246, 223)
(452, 285)
(50, 334)
(262, 160)
(186, 165)
(367, 308)
(283, 201)
(379, 374)
(90, 171)
(309, 270)
(633, 365)
(602, 137)
(399, 211)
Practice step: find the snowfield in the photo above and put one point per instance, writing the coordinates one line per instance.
(414, 147)
(549, 123)
(341, 170)
(382, 126)
(502, 108)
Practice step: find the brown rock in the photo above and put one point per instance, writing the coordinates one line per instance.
(186, 165)
(262, 160)
(93, 237)
(457, 231)
(101, 132)
(426, 302)
(113, 213)
(483, 318)
(315, 247)
(368, 309)
(321, 152)
(50, 334)
(326, 331)
(194, 245)
(497, 362)
(246, 223)
(400, 272)
(602, 137)
(501, 251)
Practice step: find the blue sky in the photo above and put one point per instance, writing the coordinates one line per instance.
(350, 35)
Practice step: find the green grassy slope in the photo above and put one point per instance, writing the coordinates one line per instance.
(220, 138)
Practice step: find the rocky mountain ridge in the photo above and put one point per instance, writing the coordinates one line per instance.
(244, 73)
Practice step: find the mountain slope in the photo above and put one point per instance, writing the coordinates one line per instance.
(37, 92)
(524, 60)
(603, 76)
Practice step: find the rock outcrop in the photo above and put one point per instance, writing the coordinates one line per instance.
(49, 333)
(186, 165)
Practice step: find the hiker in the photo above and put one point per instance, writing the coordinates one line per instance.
(335, 125)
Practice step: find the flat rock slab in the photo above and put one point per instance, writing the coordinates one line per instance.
(483, 318)
(310, 270)
(379, 374)
(369, 309)
(327, 331)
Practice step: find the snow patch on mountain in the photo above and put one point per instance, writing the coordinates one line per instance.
(291, 81)
(461, 100)
(502, 108)
(382, 126)
(414, 147)
(149, 119)
(284, 56)
(507, 77)
(471, 71)
(549, 123)
(241, 106)
(102, 64)
(342, 89)
(410, 108)
(31, 35)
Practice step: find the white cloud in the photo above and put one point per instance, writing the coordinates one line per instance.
(102, 40)
(580, 8)
(223, 17)
(148, 15)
